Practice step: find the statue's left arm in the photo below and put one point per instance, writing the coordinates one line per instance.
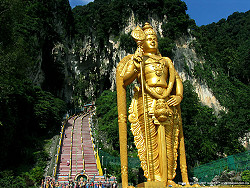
(177, 98)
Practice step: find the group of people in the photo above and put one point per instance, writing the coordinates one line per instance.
(50, 183)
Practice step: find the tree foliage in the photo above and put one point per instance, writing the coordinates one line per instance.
(103, 19)
(199, 125)
(28, 113)
(225, 47)
(107, 115)
(30, 109)
(245, 176)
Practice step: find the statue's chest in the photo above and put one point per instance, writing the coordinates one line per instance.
(155, 66)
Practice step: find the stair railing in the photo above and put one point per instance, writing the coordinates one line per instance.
(98, 163)
(71, 146)
(76, 147)
(83, 162)
(59, 147)
(77, 142)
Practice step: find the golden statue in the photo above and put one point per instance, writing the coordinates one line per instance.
(154, 113)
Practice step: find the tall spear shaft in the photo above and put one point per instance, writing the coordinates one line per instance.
(145, 122)
(139, 36)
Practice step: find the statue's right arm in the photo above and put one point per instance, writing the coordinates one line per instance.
(130, 72)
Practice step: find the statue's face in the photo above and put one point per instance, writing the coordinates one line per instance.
(150, 44)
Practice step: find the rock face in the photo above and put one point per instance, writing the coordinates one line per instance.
(185, 56)
(227, 178)
(68, 69)
(105, 61)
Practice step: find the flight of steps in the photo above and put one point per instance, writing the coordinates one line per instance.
(89, 156)
(77, 155)
(78, 126)
(63, 167)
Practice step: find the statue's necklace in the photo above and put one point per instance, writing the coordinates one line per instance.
(159, 66)
(153, 56)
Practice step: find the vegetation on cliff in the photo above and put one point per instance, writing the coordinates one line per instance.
(30, 107)
(32, 78)
(225, 47)
(99, 22)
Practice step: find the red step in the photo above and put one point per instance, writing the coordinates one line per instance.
(77, 160)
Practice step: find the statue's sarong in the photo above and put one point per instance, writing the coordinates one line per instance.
(171, 121)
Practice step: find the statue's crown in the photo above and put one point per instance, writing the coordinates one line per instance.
(148, 29)
(139, 34)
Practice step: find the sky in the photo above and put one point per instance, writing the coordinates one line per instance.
(202, 11)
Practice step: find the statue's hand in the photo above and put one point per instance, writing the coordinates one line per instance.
(137, 57)
(174, 100)
(137, 63)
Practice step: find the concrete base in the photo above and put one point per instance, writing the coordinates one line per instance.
(152, 184)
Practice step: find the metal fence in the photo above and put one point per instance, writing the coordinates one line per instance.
(107, 159)
(238, 163)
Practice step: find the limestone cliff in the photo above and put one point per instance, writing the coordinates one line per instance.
(185, 56)
(106, 61)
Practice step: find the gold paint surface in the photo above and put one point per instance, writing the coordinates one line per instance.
(154, 113)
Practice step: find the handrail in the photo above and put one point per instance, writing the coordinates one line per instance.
(59, 148)
(71, 146)
(76, 147)
(98, 163)
(83, 162)
(72, 140)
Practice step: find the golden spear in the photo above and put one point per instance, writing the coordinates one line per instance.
(139, 36)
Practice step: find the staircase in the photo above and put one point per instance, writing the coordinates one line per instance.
(89, 156)
(77, 152)
(63, 167)
(77, 155)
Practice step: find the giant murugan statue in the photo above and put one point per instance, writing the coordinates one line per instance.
(154, 113)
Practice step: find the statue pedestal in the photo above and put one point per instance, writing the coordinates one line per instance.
(152, 184)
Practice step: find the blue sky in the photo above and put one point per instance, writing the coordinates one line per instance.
(208, 11)
(202, 11)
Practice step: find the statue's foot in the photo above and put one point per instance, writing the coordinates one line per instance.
(171, 183)
(196, 185)
(187, 185)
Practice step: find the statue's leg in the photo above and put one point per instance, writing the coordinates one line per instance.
(154, 166)
(154, 163)
(183, 164)
(163, 153)
(155, 153)
(170, 153)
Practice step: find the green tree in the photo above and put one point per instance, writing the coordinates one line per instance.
(199, 125)
(106, 111)
(225, 47)
(28, 115)
(245, 176)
